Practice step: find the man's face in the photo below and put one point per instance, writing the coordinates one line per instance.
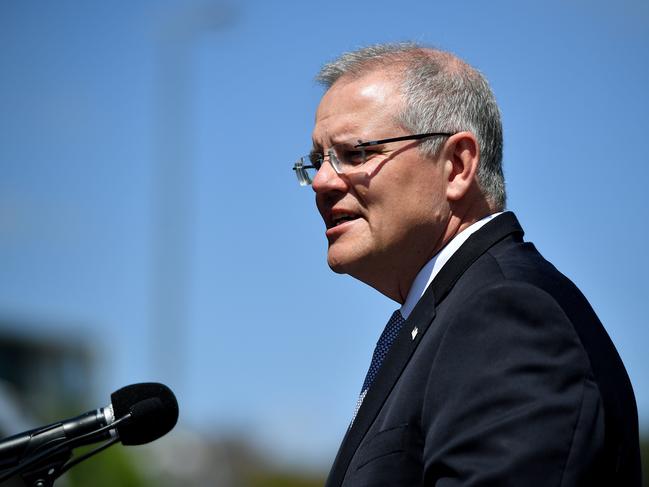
(385, 219)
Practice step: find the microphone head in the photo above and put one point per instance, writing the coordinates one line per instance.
(153, 408)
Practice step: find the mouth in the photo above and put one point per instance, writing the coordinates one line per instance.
(338, 216)
(341, 217)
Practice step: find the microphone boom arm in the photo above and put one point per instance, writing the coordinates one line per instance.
(44, 467)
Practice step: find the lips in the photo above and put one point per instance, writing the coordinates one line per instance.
(338, 216)
(342, 218)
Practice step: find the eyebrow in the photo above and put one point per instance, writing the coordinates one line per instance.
(338, 139)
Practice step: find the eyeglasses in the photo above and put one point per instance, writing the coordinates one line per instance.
(346, 156)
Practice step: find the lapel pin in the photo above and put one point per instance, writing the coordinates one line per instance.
(414, 332)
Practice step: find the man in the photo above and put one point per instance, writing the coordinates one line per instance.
(495, 370)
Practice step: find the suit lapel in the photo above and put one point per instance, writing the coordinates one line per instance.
(407, 341)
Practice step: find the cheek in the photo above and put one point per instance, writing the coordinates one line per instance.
(428, 192)
(409, 195)
(415, 210)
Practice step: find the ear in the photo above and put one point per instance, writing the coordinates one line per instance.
(462, 155)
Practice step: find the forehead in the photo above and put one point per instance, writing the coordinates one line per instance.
(360, 107)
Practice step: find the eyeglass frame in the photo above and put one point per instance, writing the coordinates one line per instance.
(300, 169)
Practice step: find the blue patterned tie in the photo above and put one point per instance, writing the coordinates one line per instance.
(382, 347)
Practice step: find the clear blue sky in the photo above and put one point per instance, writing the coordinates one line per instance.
(271, 343)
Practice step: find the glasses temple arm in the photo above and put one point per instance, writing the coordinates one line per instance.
(403, 137)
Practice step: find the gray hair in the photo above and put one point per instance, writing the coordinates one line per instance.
(441, 94)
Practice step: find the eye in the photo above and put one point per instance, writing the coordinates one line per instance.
(316, 159)
(350, 156)
(369, 153)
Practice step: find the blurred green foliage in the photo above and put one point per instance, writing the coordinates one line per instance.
(285, 479)
(112, 467)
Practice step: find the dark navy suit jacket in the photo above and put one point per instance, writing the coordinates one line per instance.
(501, 376)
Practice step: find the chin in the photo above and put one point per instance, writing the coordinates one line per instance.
(336, 265)
(344, 262)
(339, 258)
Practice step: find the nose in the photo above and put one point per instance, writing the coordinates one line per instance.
(327, 179)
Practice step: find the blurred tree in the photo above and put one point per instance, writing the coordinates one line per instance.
(109, 468)
(275, 479)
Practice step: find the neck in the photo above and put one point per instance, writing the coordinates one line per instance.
(396, 282)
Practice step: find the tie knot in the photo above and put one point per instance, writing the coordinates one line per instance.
(391, 329)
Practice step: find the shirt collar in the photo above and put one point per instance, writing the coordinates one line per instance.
(433, 266)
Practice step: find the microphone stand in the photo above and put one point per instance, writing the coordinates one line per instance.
(43, 467)
(44, 473)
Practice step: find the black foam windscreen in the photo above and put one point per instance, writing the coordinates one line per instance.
(153, 408)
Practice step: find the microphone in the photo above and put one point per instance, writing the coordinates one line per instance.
(141, 413)
(153, 408)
